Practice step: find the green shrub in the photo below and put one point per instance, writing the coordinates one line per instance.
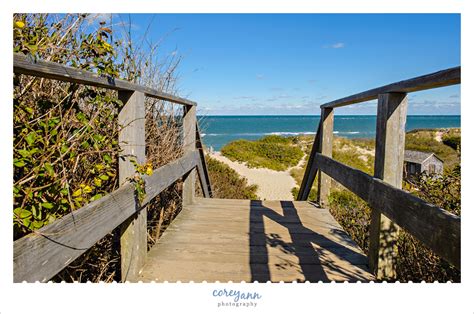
(414, 261)
(65, 144)
(272, 152)
(227, 183)
(453, 141)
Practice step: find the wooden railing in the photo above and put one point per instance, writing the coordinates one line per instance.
(42, 254)
(391, 206)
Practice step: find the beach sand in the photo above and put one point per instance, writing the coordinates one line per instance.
(272, 185)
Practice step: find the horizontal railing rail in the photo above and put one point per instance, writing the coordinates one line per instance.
(56, 71)
(442, 78)
(39, 256)
(42, 254)
(435, 227)
(438, 229)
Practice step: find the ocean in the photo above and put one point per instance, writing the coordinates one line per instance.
(220, 130)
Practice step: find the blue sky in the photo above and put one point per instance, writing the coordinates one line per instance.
(292, 63)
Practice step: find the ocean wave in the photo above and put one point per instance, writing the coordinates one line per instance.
(350, 132)
(259, 134)
(290, 133)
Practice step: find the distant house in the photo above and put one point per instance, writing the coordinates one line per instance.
(417, 162)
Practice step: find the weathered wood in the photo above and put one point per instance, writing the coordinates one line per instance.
(41, 255)
(56, 71)
(133, 233)
(259, 243)
(166, 175)
(442, 78)
(311, 168)
(436, 228)
(189, 145)
(389, 156)
(202, 166)
(202, 177)
(327, 127)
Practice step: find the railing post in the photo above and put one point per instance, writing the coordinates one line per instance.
(324, 181)
(189, 144)
(133, 234)
(389, 155)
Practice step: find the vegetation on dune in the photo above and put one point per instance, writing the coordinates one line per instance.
(227, 183)
(65, 145)
(356, 153)
(272, 152)
(452, 138)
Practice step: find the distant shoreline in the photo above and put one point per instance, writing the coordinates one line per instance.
(217, 131)
(317, 115)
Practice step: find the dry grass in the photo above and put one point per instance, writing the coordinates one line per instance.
(70, 39)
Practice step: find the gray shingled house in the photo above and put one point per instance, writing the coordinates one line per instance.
(418, 162)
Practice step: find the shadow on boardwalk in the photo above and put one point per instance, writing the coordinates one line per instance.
(311, 248)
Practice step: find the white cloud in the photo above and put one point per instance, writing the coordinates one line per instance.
(260, 76)
(335, 45)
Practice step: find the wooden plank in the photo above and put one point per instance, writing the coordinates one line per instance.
(23, 65)
(389, 156)
(311, 168)
(202, 167)
(435, 227)
(41, 255)
(451, 76)
(133, 232)
(189, 145)
(324, 181)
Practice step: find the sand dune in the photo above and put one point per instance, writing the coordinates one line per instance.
(272, 185)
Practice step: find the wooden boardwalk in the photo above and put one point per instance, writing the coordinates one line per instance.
(242, 240)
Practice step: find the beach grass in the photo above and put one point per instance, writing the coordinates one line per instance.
(271, 152)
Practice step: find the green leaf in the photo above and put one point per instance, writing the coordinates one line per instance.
(85, 144)
(77, 193)
(24, 153)
(98, 137)
(107, 158)
(19, 163)
(49, 168)
(104, 177)
(47, 205)
(22, 213)
(31, 138)
(37, 224)
(95, 197)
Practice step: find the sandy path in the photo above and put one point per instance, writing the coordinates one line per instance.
(272, 185)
